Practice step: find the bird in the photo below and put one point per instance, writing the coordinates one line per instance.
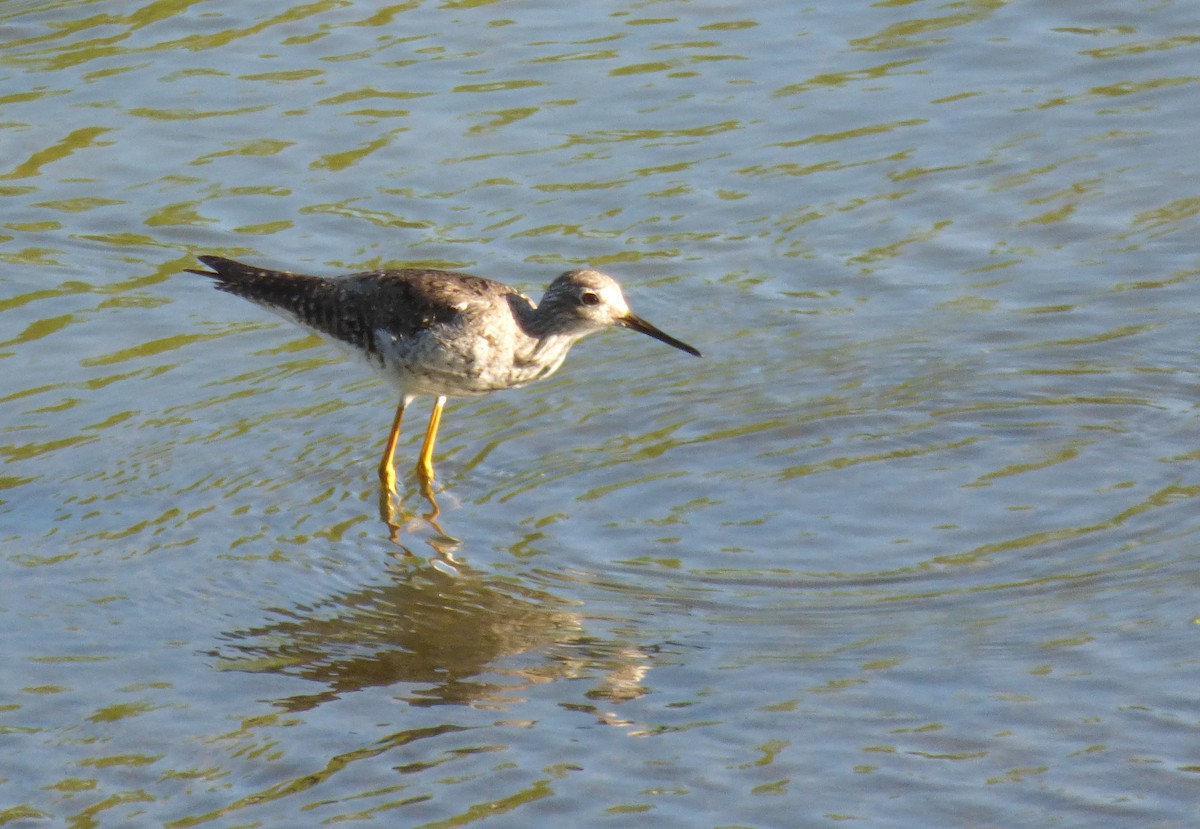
(439, 333)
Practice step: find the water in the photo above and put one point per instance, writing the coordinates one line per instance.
(913, 545)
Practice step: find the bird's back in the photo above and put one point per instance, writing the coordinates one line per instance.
(354, 308)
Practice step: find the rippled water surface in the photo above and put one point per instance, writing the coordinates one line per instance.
(913, 545)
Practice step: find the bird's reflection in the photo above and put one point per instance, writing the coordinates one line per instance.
(448, 636)
(397, 518)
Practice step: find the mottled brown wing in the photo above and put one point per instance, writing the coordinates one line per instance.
(354, 307)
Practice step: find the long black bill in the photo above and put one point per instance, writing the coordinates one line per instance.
(636, 323)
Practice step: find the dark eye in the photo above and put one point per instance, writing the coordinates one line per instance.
(589, 298)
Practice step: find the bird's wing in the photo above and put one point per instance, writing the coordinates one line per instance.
(355, 307)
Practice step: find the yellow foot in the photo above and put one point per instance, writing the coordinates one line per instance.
(387, 509)
(387, 478)
(425, 475)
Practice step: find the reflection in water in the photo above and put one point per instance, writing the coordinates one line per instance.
(461, 638)
(393, 515)
(448, 635)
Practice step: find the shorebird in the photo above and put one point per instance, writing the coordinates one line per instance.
(440, 333)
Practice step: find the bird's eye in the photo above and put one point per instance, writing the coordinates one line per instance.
(589, 298)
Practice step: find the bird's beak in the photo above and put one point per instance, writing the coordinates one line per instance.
(636, 323)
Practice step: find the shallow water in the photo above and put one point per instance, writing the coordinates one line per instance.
(912, 545)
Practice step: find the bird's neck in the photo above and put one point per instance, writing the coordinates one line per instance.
(550, 329)
(548, 340)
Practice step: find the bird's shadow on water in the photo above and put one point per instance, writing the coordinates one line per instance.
(438, 637)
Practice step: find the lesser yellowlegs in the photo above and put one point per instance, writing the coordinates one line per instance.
(440, 333)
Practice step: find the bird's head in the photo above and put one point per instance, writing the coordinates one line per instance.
(582, 301)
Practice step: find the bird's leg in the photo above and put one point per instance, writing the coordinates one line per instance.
(387, 472)
(425, 461)
(434, 509)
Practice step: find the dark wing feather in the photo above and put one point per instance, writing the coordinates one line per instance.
(352, 308)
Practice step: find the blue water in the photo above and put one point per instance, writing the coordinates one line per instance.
(912, 546)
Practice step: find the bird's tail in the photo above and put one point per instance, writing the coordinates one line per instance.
(279, 290)
(319, 304)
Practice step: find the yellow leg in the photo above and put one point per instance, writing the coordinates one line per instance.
(387, 473)
(425, 462)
